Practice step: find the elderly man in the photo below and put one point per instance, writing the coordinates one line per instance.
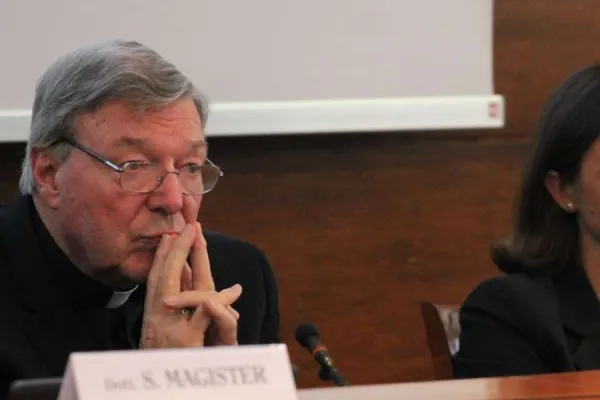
(102, 249)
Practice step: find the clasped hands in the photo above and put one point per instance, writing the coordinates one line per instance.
(182, 307)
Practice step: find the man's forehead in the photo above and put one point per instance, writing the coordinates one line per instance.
(116, 124)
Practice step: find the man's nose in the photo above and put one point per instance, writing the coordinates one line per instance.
(169, 194)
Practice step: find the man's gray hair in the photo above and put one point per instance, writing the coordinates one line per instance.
(86, 78)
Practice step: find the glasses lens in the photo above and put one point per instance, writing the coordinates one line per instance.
(140, 177)
(145, 177)
(199, 179)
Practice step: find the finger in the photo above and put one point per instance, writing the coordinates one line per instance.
(186, 278)
(233, 312)
(190, 213)
(226, 324)
(202, 278)
(155, 274)
(194, 298)
(170, 284)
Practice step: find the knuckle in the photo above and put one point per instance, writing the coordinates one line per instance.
(202, 242)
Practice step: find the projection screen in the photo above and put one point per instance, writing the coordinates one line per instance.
(279, 66)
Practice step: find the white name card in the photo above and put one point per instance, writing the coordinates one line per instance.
(226, 372)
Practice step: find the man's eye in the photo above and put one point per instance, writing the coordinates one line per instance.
(192, 168)
(136, 165)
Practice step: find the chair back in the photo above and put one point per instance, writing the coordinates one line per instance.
(442, 328)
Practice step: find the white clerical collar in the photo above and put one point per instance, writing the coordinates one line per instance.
(119, 298)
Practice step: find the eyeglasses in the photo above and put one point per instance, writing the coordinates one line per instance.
(145, 177)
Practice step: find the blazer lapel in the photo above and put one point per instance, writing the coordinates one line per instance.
(52, 327)
(587, 355)
(580, 313)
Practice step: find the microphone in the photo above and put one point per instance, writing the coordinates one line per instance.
(308, 337)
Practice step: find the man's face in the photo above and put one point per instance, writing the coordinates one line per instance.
(111, 231)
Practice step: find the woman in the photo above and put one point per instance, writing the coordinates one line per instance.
(543, 315)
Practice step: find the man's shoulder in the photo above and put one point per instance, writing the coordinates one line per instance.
(222, 239)
(222, 247)
(7, 210)
(11, 240)
(234, 260)
(218, 240)
(15, 217)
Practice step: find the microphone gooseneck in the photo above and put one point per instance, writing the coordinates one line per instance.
(308, 337)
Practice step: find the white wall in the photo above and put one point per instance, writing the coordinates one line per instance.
(279, 66)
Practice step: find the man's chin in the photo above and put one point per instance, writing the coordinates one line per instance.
(138, 266)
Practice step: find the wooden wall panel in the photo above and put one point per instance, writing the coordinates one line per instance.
(361, 227)
(537, 44)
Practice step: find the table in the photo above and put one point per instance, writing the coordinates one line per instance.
(572, 386)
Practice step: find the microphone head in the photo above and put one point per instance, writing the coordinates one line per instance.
(305, 331)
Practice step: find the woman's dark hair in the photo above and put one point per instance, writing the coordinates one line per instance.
(544, 236)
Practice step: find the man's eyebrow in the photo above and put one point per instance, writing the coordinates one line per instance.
(143, 145)
(196, 145)
(127, 141)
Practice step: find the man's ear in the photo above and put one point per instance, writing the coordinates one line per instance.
(44, 167)
(563, 194)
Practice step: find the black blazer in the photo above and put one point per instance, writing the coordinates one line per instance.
(38, 328)
(525, 325)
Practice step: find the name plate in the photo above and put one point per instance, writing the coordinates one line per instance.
(225, 372)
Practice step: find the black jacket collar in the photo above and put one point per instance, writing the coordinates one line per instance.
(579, 310)
(578, 303)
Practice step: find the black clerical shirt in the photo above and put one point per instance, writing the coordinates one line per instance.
(112, 318)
